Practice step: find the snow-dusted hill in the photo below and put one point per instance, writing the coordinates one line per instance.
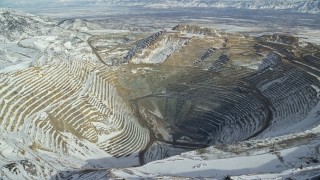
(29, 40)
(15, 25)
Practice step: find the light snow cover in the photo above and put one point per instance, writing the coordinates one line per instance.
(266, 159)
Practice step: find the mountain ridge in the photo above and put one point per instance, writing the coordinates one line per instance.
(302, 6)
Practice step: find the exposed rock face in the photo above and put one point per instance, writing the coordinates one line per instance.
(142, 44)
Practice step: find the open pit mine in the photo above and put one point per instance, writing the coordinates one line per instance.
(74, 102)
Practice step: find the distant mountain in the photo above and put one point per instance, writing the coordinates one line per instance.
(303, 6)
(311, 6)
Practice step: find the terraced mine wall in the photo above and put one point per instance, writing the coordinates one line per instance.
(199, 111)
(142, 44)
(200, 88)
(198, 115)
(71, 98)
